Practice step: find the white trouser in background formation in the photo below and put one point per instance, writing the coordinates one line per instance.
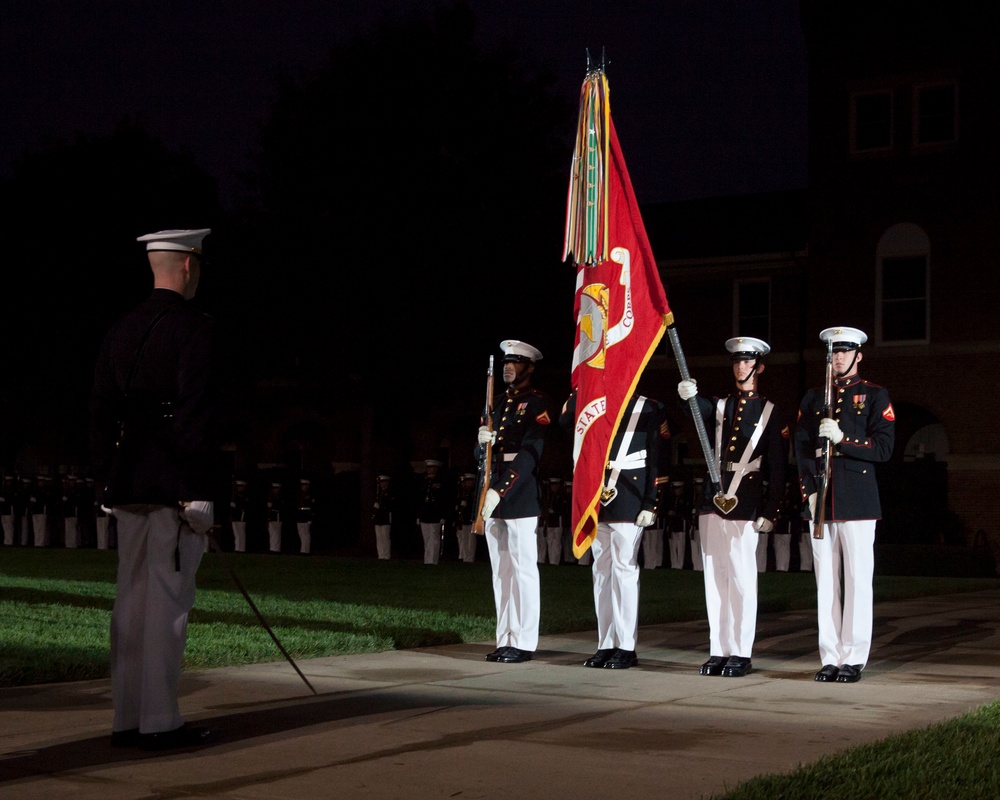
(845, 622)
(513, 559)
(553, 543)
(697, 552)
(431, 531)
(239, 536)
(40, 525)
(72, 531)
(383, 544)
(305, 537)
(762, 552)
(806, 550)
(466, 543)
(101, 524)
(616, 584)
(149, 619)
(652, 548)
(274, 536)
(8, 529)
(782, 544)
(730, 547)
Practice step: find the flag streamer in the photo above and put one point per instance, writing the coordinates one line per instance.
(586, 238)
(620, 306)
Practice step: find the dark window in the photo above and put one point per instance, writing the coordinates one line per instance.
(872, 121)
(904, 299)
(753, 309)
(936, 114)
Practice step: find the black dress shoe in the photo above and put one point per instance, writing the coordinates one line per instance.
(495, 655)
(737, 667)
(600, 658)
(827, 674)
(129, 738)
(514, 655)
(713, 666)
(622, 659)
(849, 673)
(184, 736)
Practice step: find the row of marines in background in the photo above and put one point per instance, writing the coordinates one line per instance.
(41, 512)
(442, 513)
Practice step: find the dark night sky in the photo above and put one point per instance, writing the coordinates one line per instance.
(709, 97)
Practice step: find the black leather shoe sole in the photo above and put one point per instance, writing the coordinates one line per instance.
(514, 655)
(495, 655)
(828, 674)
(600, 658)
(622, 659)
(184, 736)
(849, 673)
(129, 738)
(737, 667)
(713, 666)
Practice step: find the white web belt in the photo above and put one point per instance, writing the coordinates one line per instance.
(623, 458)
(744, 465)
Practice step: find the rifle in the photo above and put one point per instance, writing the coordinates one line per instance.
(824, 483)
(486, 456)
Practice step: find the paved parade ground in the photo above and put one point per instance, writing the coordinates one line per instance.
(443, 722)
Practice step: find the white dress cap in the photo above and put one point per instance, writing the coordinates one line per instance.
(747, 347)
(513, 350)
(844, 339)
(184, 241)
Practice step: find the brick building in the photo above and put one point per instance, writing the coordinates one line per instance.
(897, 234)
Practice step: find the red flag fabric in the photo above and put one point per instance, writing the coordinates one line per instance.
(621, 314)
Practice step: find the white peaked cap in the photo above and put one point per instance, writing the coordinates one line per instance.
(516, 349)
(748, 346)
(843, 338)
(184, 241)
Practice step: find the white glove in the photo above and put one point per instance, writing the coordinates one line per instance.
(486, 435)
(645, 519)
(687, 389)
(763, 525)
(831, 430)
(490, 503)
(812, 506)
(199, 514)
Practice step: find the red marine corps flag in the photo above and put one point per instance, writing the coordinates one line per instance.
(620, 307)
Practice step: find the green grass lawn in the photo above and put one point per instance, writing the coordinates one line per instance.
(56, 606)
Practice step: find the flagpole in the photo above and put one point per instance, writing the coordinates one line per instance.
(699, 423)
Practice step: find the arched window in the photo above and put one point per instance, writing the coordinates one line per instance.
(903, 285)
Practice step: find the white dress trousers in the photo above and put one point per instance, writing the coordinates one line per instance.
(513, 558)
(149, 618)
(383, 544)
(616, 584)
(845, 623)
(239, 536)
(730, 551)
(431, 532)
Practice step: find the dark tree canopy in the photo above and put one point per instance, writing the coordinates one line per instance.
(413, 194)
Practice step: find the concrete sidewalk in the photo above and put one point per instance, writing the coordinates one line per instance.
(443, 722)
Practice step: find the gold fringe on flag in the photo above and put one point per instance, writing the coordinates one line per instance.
(587, 202)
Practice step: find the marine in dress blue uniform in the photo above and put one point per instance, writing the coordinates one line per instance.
(382, 517)
(862, 433)
(520, 420)
(750, 448)
(430, 515)
(628, 504)
(154, 443)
